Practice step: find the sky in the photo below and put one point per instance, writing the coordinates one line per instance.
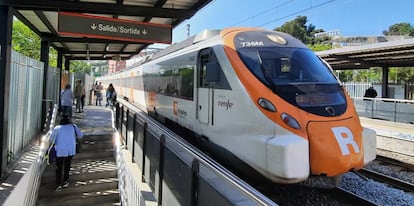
(350, 17)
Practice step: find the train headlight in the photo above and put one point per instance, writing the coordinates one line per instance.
(289, 120)
(266, 104)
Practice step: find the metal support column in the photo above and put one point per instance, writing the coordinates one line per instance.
(60, 66)
(385, 71)
(44, 57)
(6, 19)
(67, 65)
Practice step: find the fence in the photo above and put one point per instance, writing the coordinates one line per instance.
(395, 91)
(25, 101)
(396, 110)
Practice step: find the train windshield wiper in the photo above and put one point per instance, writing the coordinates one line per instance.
(265, 74)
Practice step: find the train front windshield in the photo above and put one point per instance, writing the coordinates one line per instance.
(298, 76)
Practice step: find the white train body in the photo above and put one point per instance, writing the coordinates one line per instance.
(209, 88)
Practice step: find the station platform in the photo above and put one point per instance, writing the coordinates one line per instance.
(93, 176)
(388, 128)
(394, 140)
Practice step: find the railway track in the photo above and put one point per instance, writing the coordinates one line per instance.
(394, 182)
(347, 196)
(404, 165)
(394, 165)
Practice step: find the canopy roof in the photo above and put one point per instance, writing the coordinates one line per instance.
(398, 53)
(41, 16)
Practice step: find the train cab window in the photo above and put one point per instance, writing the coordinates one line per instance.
(205, 57)
(203, 73)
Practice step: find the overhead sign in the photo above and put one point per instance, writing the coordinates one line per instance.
(109, 28)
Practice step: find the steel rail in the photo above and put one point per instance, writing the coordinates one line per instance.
(406, 166)
(351, 197)
(395, 182)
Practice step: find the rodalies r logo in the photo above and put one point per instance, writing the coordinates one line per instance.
(344, 137)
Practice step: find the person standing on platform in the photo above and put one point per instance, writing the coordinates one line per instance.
(64, 137)
(79, 92)
(98, 90)
(66, 100)
(370, 93)
(94, 89)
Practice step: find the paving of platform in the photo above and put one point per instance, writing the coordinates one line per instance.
(93, 177)
(394, 140)
(388, 128)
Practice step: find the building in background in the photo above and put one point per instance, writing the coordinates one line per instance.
(116, 65)
(339, 41)
(99, 67)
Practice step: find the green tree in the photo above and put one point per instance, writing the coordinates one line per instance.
(320, 47)
(26, 42)
(80, 67)
(297, 28)
(401, 75)
(345, 75)
(400, 29)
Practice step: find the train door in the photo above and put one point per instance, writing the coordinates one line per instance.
(203, 88)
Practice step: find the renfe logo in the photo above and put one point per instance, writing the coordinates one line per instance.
(344, 138)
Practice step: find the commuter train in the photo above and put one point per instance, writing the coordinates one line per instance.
(260, 96)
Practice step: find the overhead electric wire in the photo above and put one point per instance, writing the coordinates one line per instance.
(263, 12)
(298, 12)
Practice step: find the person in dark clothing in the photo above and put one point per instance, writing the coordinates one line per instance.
(369, 94)
(83, 101)
(110, 95)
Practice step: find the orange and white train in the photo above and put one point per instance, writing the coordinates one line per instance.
(261, 96)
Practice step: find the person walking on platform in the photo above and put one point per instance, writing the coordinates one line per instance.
(110, 95)
(64, 137)
(66, 100)
(98, 90)
(79, 92)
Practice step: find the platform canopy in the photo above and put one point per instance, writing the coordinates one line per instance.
(398, 53)
(103, 29)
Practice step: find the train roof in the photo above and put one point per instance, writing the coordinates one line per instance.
(202, 36)
(206, 34)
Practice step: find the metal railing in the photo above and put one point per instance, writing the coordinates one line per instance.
(175, 172)
(395, 110)
(26, 190)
